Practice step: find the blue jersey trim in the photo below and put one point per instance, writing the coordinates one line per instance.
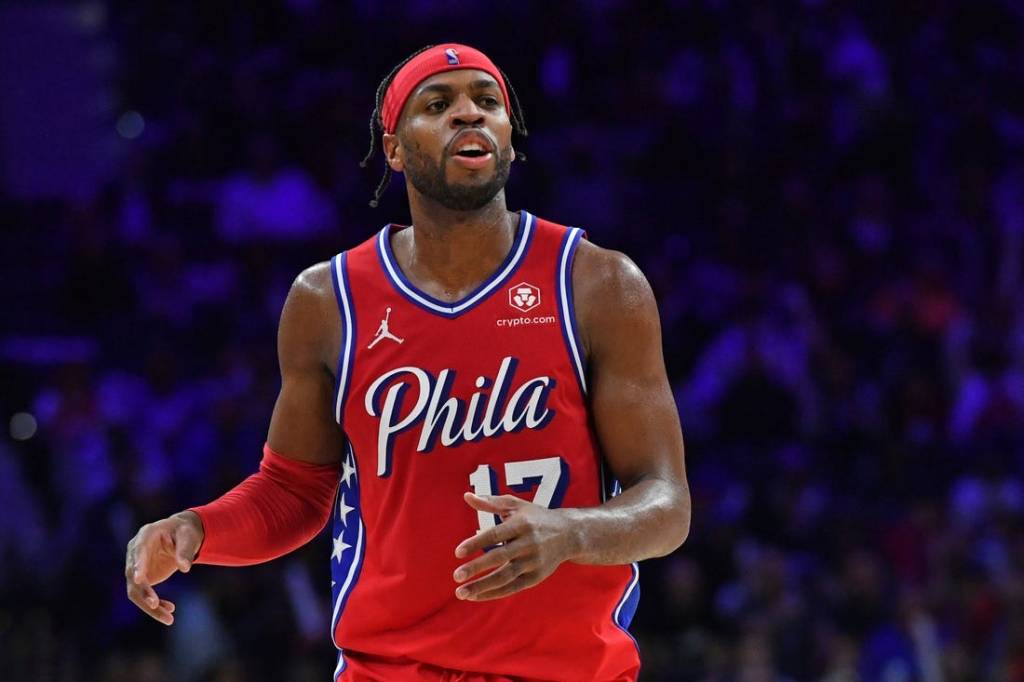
(346, 353)
(515, 257)
(340, 667)
(344, 574)
(624, 611)
(563, 285)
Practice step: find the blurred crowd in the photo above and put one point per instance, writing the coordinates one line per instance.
(827, 197)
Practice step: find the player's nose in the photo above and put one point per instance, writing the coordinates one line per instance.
(464, 111)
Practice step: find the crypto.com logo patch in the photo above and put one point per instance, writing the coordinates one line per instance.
(524, 297)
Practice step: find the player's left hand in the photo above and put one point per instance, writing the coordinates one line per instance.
(532, 541)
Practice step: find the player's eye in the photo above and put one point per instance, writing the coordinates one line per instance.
(489, 100)
(437, 105)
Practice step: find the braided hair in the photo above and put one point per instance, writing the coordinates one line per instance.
(518, 122)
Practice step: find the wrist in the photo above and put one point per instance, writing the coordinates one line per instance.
(575, 533)
(195, 522)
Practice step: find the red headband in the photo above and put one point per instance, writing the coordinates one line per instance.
(440, 58)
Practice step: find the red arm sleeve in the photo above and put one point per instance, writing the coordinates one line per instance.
(274, 511)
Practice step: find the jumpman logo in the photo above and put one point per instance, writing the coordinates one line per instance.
(383, 332)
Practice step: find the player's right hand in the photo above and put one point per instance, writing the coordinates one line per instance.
(154, 554)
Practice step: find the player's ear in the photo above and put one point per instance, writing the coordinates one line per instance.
(513, 152)
(393, 152)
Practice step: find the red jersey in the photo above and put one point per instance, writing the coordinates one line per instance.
(485, 394)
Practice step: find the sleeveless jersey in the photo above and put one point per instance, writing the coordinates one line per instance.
(485, 394)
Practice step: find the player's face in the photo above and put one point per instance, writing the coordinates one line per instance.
(454, 139)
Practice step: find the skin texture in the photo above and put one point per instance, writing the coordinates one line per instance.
(638, 427)
(302, 425)
(447, 254)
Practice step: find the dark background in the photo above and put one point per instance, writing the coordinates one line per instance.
(827, 197)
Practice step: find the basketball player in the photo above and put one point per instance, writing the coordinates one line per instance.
(470, 450)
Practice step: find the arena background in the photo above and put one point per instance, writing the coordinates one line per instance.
(827, 197)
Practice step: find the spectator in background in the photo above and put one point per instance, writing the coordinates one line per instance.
(271, 201)
(828, 198)
(757, 372)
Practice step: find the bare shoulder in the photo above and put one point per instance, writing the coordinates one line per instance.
(310, 321)
(601, 273)
(311, 295)
(612, 296)
(315, 281)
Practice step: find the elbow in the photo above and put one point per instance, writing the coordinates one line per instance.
(683, 514)
(320, 510)
(677, 526)
(680, 531)
(684, 529)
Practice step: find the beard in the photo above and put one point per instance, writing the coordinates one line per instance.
(430, 179)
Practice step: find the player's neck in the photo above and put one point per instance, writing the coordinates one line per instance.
(455, 249)
(431, 220)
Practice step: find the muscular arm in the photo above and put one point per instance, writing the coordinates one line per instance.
(302, 425)
(634, 415)
(638, 430)
(289, 500)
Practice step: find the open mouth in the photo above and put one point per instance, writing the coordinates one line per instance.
(472, 147)
(473, 152)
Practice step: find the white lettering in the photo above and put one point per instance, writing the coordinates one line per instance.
(449, 412)
(438, 411)
(511, 420)
(392, 405)
(490, 427)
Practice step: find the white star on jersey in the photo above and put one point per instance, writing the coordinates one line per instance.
(344, 509)
(348, 470)
(349, 478)
(339, 547)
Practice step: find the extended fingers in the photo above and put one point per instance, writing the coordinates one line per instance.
(137, 575)
(508, 573)
(163, 613)
(503, 532)
(517, 584)
(495, 504)
(496, 557)
(149, 595)
(146, 599)
(139, 589)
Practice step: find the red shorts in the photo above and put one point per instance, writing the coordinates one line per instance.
(366, 668)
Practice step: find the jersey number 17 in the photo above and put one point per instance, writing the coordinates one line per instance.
(550, 475)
